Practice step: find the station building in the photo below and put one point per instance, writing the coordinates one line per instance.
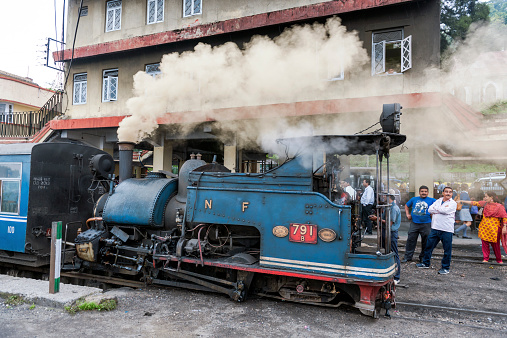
(397, 60)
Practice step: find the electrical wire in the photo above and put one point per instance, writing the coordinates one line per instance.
(56, 29)
(63, 35)
(73, 45)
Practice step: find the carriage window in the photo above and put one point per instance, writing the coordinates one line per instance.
(10, 184)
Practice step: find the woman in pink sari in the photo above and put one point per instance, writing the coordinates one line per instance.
(494, 218)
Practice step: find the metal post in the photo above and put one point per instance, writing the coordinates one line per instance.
(56, 256)
(388, 211)
(377, 213)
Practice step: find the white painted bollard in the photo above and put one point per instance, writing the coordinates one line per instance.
(56, 257)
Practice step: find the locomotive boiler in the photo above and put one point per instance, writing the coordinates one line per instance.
(282, 233)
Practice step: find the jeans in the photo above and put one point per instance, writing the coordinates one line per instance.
(413, 233)
(462, 227)
(366, 211)
(433, 239)
(394, 249)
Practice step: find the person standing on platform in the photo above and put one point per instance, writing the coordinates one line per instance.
(494, 219)
(420, 222)
(442, 228)
(367, 200)
(464, 213)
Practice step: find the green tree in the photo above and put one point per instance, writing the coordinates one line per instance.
(498, 11)
(456, 16)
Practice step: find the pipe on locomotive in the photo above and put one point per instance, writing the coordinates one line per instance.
(126, 150)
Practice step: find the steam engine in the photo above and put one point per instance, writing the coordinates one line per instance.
(279, 234)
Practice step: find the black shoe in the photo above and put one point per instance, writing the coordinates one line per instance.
(455, 234)
(466, 237)
(404, 260)
(369, 233)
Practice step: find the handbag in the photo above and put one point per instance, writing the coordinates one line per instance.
(459, 204)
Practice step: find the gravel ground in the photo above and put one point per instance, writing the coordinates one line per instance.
(168, 312)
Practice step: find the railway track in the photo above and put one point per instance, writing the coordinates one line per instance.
(103, 279)
(447, 308)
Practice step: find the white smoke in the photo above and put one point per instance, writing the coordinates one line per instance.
(265, 71)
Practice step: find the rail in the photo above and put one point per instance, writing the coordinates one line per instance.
(28, 123)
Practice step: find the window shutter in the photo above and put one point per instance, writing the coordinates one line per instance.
(160, 10)
(83, 92)
(77, 93)
(197, 7)
(117, 18)
(105, 86)
(109, 21)
(151, 11)
(406, 53)
(113, 88)
(379, 53)
(187, 8)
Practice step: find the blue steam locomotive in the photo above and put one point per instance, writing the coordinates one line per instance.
(282, 234)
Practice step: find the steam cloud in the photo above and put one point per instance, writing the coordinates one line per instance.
(294, 67)
(285, 69)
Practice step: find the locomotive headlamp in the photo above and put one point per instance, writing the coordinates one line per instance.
(390, 118)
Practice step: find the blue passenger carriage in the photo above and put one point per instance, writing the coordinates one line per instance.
(40, 184)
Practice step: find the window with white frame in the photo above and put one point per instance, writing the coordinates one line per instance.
(192, 7)
(391, 52)
(10, 184)
(5, 112)
(155, 11)
(329, 63)
(153, 69)
(113, 15)
(80, 84)
(110, 85)
(330, 70)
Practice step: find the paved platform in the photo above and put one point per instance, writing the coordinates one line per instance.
(37, 291)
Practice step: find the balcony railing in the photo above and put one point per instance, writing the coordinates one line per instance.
(28, 123)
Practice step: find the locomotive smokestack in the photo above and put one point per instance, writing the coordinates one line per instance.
(126, 150)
